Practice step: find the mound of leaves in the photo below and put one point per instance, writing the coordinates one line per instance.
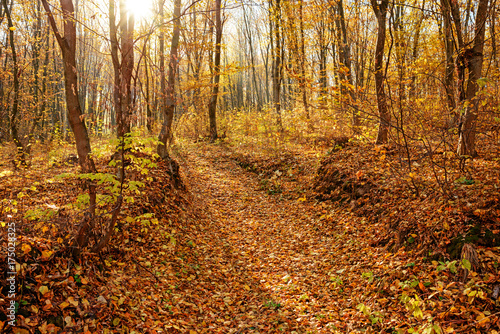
(103, 292)
(416, 206)
(265, 166)
(442, 221)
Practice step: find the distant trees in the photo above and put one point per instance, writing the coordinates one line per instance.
(317, 66)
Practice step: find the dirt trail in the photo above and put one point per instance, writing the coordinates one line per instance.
(276, 263)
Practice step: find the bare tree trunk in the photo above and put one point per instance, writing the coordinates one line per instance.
(384, 115)
(166, 129)
(449, 77)
(274, 18)
(212, 107)
(149, 116)
(345, 59)
(127, 67)
(123, 68)
(21, 151)
(67, 43)
(252, 59)
(161, 41)
(303, 79)
(473, 60)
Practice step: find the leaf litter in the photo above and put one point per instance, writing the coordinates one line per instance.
(227, 255)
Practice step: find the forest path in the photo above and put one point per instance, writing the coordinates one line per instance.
(271, 264)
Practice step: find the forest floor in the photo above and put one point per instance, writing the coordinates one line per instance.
(244, 246)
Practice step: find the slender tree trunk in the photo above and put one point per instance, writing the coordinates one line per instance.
(21, 152)
(473, 60)
(252, 59)
(212, 107)
(166, 130)
(149, 116)
(449, 77)
(274, 18)
(345, 59)
(127, 67)
(380, 10)
(302, 62)
(67, 43)
(161, 50)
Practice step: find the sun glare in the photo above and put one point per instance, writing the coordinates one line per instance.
(142, 9)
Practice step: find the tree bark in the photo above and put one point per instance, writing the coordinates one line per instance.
(212, 106)
(473, 61)
(67, 43)
(170, 101)
(384, 115)
(274, 19)
(345, 59)
(21, 151)
(449, 76)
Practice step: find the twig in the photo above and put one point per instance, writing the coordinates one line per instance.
(146, 269)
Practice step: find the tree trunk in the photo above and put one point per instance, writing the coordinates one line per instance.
(67, 43)
(384, 115)
(303, 79)
(126, 68)
(274, 19)
(345, 59)
(21, 151)
(212, 107)
(166, 129)
(149, 115)
(449, 77)
(473, 60)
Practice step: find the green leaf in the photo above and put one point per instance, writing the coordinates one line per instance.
(482, 82)
(437, 329)
(466, 264)
(451, 266)
(362, 307)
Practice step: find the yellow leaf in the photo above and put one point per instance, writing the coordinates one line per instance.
(246, 287)
(63, 305)
(46, 254)
(192, 332)
(72, 301)
(26, 248)
(12, 28)
(43, 289)
(482, 319)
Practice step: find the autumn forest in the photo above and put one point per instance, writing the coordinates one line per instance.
(274, 166)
